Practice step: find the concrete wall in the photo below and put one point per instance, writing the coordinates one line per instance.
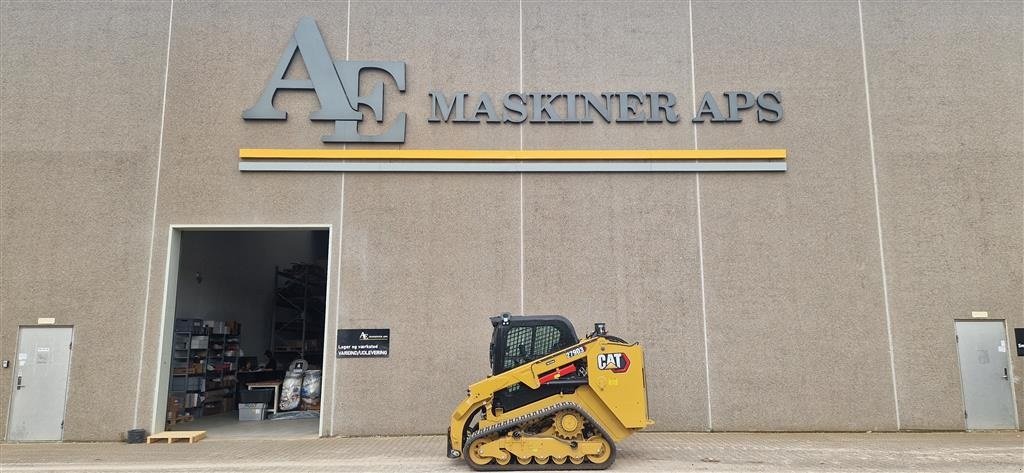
(792, 269)
(798, 279)
(80, 98)
(948, 140)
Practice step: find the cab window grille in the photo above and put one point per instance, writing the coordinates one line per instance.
(518, 346)
(545, 340)
(525, 344)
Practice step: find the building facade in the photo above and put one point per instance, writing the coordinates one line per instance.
(821, 297)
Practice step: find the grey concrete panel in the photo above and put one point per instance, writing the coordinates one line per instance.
(619, 248)
(608, 47)
(221, 57)
(447, 46)
(946, 82)
(622, 249)
(468, 222)
(796, 316)
(430, 257)
(78, 147)
(205, 123)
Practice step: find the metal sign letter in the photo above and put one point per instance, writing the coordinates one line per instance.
(336, 84)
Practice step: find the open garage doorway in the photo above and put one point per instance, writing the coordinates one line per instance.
(244, 331)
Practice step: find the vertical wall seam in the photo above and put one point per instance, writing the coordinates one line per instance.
(348, 30)
(522, 251)
(700, 229)
(522, 230)
(337, 303)
(878, 217)
(331, 247)
(693, 80)
(341, 240)
(348, 41)
(152, 227)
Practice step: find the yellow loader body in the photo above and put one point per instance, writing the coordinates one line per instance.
(567, 409)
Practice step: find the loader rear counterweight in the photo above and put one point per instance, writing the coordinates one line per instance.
(553, 401)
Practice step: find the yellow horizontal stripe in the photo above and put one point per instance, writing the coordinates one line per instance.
(513, 155)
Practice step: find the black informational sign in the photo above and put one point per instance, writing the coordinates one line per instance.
(364, 343)
(1019, 333)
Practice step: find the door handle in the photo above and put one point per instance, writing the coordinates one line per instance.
(1006, 374)
(19, 386)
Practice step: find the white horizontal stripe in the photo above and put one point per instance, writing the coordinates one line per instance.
(476, 166)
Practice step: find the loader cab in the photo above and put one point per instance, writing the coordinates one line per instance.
(517, 340)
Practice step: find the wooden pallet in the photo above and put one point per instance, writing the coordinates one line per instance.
(192, 436)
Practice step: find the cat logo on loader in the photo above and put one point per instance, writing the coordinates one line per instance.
(615, 362)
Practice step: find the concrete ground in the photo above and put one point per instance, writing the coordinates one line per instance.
(675, 452)
(227, 426)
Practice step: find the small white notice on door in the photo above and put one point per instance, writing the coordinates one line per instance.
(42, 355)
(1002, 346)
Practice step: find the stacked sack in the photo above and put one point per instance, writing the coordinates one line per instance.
(300, 386)
(291, 388)
(311, 390)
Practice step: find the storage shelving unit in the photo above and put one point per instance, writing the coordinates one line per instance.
(221, 372)
(204, 370)
(298, 316)
(189, 351)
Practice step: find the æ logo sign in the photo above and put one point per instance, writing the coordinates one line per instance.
(364, 343)
(336, 84)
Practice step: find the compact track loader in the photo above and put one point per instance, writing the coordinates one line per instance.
(553, 401)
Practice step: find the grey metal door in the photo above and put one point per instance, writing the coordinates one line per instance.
(985, 374)
(40, 384)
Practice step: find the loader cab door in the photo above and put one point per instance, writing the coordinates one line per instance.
(520, 340)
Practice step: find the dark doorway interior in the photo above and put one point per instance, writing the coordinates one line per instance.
(248, 304)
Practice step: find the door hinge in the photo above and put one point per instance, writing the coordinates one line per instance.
(965, 414)
(62, 425)
(71, 344)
